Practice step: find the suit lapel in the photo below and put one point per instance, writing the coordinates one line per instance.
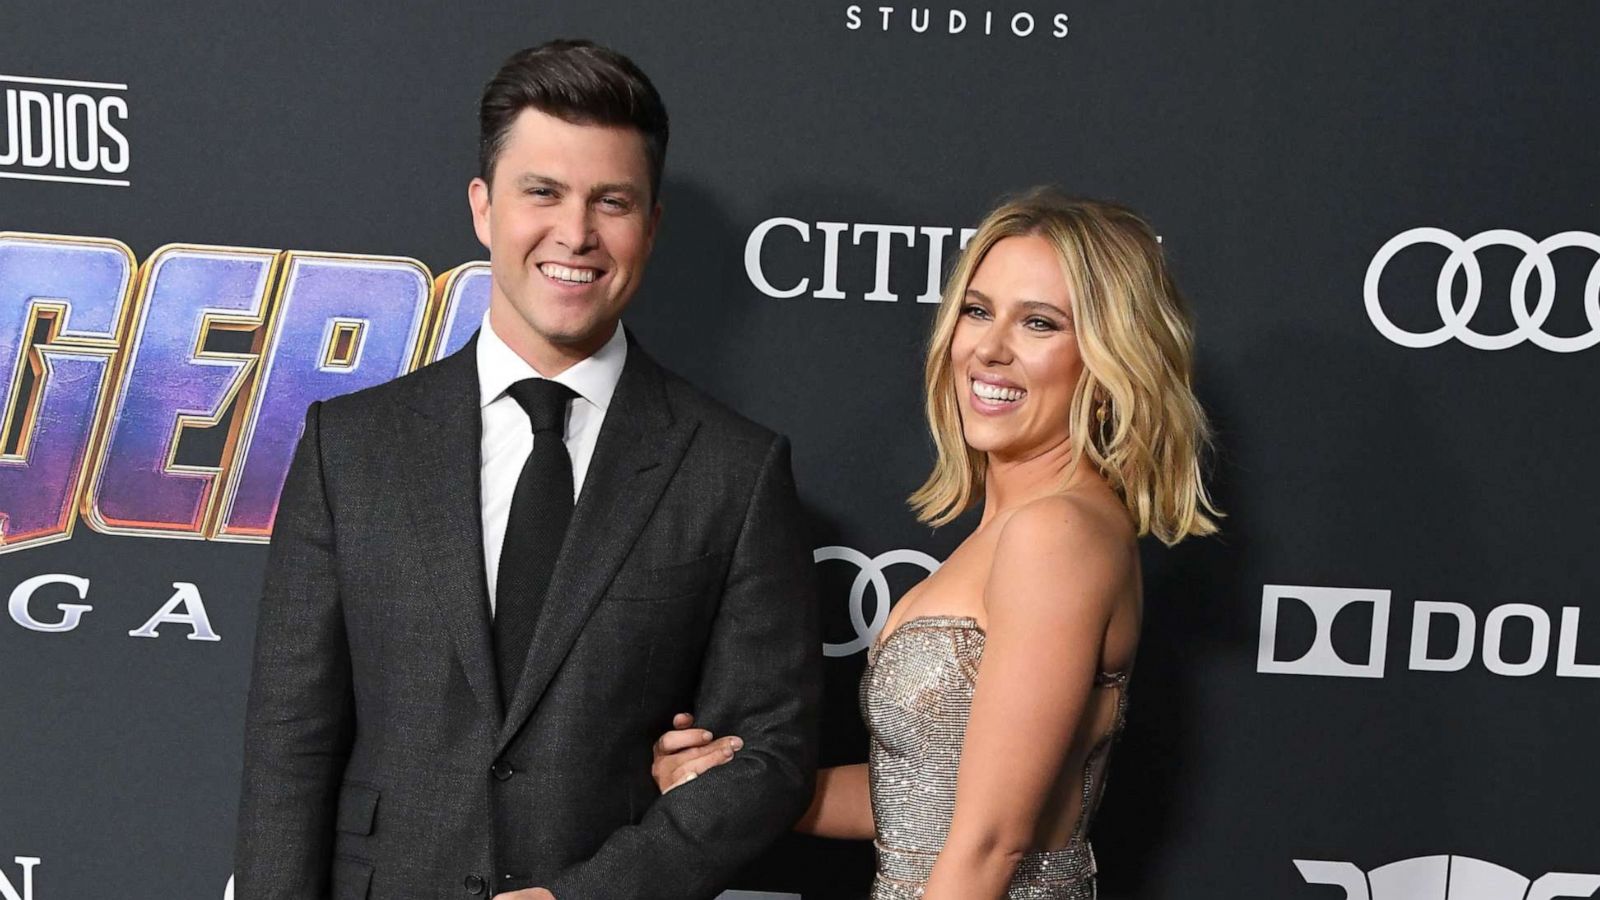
(639, 448)
(441, 437)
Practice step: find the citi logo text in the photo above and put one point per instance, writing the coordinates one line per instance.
(59, 130)
(1455, 318)
(1499, 652)
(24, 876)
(816, 247)
(786, 257)
(1445, 878)
(954, 21)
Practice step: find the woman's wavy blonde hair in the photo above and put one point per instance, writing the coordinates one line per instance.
(1135, 402)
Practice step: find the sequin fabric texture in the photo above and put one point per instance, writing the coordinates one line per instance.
(916, 695)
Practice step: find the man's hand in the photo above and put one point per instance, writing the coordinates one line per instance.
(529, 894)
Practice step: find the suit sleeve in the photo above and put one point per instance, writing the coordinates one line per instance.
(761, 680)
(300, 716)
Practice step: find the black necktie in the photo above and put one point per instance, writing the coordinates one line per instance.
(541, 508)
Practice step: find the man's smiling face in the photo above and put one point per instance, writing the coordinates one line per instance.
(569, 222)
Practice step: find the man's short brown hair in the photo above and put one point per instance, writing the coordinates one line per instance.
(579, 82)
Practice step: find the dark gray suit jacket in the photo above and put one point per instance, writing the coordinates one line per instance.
(378, 760)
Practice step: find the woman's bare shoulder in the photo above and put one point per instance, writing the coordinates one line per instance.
(1070, 522)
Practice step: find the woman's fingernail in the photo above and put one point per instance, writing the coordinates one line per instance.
(736, 744)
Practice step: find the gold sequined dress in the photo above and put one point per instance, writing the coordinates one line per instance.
(916, 695)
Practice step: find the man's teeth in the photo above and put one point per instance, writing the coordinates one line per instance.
(562, 273)
(995, 393)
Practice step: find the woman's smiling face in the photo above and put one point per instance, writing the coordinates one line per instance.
(1014, 351)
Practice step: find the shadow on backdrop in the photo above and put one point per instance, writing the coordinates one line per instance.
(1144, 801)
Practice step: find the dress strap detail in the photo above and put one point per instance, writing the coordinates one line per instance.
(1110, 679)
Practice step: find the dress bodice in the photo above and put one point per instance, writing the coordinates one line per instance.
(916, 696)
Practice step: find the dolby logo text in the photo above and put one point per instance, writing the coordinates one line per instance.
(60, 130)
(1350, 627)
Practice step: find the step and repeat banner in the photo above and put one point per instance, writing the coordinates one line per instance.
(1381, 682)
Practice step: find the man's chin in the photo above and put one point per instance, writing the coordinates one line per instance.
(587, 335)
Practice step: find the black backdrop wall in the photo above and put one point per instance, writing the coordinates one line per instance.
(1380, 682)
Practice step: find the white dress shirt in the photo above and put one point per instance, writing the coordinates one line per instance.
(508, 436)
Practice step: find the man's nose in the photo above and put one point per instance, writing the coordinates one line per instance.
(574, 228)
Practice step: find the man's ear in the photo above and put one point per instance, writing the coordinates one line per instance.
(478, 200)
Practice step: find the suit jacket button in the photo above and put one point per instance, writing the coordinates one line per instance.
(502, 770)
(474, 884)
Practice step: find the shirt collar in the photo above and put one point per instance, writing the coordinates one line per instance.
(594, 379)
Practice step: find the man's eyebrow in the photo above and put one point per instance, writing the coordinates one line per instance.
(533, 179)
(617, 187)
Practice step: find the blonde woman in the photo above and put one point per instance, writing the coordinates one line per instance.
(1058, 394)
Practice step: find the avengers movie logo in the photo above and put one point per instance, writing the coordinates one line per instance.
(108, 369)
(50, 614)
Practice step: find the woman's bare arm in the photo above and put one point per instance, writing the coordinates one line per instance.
(1057, 575)
(841, 807)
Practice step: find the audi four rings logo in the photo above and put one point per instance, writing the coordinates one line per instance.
(1445, 878)
(1455, 322)
(871, 575)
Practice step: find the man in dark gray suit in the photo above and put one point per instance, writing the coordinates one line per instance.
(492, 582)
